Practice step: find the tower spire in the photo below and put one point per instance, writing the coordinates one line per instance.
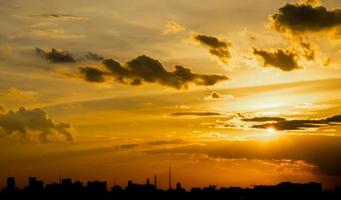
(155, 181)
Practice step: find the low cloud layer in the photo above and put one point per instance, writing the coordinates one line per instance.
(322, 151)
(217, 48)
(144, 69)
(284, 60)
(33, 125)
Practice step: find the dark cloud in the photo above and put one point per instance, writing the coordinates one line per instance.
(215, 95)
(292, 125)
(264, 119)
(284, 60)
(144, 69)
(334, 119)
(93, 56)
(92, 74)
(217, 48)
(29, 123)
(195, 114)
(128, 146)
(56, 56)
(299, 18)
(61, 16)
(296, 124)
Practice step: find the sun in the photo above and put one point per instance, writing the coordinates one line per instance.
(271, 130)
(270, 134)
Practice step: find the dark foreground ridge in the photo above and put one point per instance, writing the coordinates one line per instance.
(98, 190)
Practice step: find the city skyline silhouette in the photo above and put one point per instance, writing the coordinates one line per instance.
(187, 99)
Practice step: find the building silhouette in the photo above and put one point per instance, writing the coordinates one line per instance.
(67, 188)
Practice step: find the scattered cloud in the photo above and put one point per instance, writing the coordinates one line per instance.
(56, 56)
(306, 17)
(33, 125)
(144, 69)
(284, 60)
(172, 27)
(217, 47)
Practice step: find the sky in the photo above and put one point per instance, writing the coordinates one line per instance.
(226, 92)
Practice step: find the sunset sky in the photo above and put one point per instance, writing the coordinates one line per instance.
(226, 92)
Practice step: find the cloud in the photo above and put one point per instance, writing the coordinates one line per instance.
(127, 146)
(264, 119)
(56, 56)
(172, 27)
(217, 48)
(284, 60)
(144, 69)
(217, 96)
(92, 74)
(195, 114)
(296, 124)
(302, 18)
(291, 125)
(61, 16)
(34, 124)
(93, 56)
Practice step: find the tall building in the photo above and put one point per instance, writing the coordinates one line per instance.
(11, 184)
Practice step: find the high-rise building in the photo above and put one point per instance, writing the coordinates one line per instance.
(11, 183)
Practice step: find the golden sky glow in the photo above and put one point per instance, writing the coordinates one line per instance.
(226, 92)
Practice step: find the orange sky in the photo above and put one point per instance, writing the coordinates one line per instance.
(224, 91)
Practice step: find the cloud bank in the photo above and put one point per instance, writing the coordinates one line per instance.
(144, 69)
(33, 125)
